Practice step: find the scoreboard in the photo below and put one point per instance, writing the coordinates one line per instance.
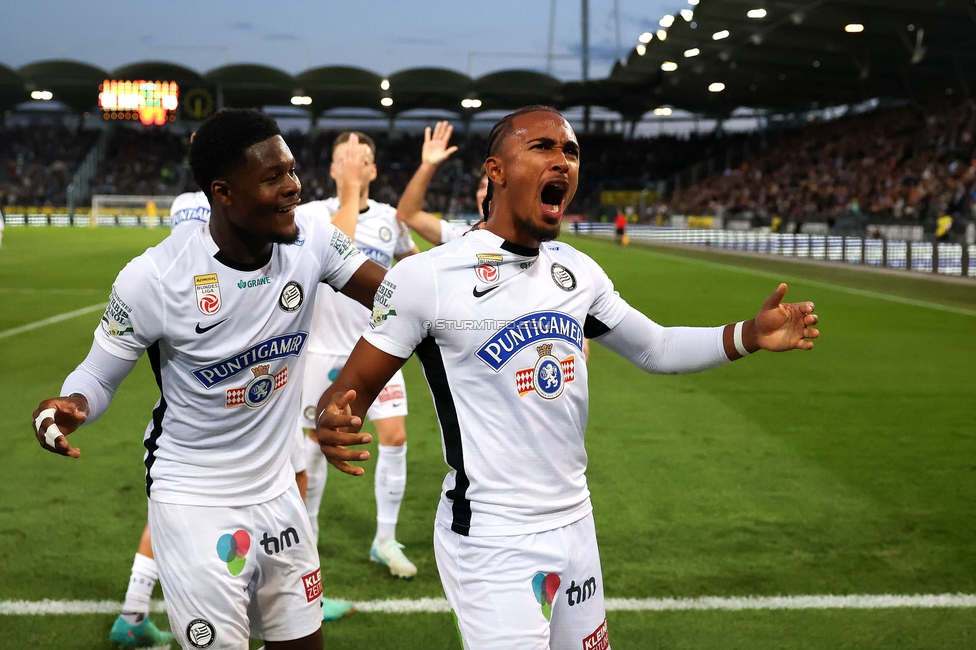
(150, 102)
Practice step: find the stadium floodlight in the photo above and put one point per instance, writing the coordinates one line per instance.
(42, 95)
(301, 100)
(716, 87)
(666, 21)
(471, 103)
(385, 84)
(756, 13)
(387, 101)
(687, 14)
(669, 66)
(641, 49)
(662, 34)
(692, 52)
(693, 3)
(854, 28)
(663, 110)
(646, 37)
(717, 36)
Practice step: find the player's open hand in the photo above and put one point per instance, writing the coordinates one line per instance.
(53, 419)
(435, 149)
(333, 425)
(353, 162)
(783, 326)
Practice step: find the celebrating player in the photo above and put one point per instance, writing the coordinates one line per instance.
(223, 312)
(337, 325)
(497, 319)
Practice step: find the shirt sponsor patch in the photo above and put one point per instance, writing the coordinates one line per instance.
(549, 375)
(528, 330)
(248, 284)
(379, 257)
(599, 639)
(381, 303)
(260, 389)
(313, 584)
(279, 347)
(115, 320)
(343, 245)
(390, 393)
(208, 293)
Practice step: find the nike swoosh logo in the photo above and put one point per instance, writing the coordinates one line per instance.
(203, 330)
(478, 294)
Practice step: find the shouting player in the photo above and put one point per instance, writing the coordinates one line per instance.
(224, 313)
(497, 319)
(337, 325)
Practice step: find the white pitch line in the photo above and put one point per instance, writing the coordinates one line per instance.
(439, 605)
(50, 321)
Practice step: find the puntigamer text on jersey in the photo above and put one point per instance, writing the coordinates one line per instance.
(279, 347)
(504, 344)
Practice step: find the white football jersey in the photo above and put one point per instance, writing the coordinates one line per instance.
(499, 331)
(189, 209)
(339, 321)
(226, 343)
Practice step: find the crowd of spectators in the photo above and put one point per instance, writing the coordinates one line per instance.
(902, 165)
(37, 164)
(144, 161)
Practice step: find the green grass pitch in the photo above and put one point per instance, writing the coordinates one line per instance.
(850, 469)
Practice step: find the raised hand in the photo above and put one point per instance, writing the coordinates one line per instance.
(783, 326)
(332, 433)
(353, 161)
(435, 149)
(56, 418)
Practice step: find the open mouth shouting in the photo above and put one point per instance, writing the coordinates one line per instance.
(553, 198)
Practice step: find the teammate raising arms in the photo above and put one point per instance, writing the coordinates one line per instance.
(337, 325)
(223, 312)
(497, 319)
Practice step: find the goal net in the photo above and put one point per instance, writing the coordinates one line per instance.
(122, 210)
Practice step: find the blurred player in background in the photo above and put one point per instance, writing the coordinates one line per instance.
(337, 325)
(226, 517)
(514, 537)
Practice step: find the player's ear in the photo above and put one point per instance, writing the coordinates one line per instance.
(372, 172)
(495, 170)
(220, 192)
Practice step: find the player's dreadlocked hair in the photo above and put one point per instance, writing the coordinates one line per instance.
(498, 134)
(219, 144)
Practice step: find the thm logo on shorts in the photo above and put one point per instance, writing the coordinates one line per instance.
(313, 584)
(599, 639)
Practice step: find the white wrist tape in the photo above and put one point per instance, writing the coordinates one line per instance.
(52, 432)
(737, 339)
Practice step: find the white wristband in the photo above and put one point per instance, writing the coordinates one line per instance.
(737, 339)
(52, 432)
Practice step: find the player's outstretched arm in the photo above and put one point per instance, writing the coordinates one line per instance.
(351, 168)
(410, 209)
(342, 407)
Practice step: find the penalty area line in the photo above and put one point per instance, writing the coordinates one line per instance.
(50, 321)
(440, 605)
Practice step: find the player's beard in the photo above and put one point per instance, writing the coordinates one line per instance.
(285, 238)
(539, 232)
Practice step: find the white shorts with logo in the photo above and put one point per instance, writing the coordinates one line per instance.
(229, 574)
(322, 369)
(542, 591)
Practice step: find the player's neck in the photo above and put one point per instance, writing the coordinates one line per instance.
(363, 196)
(507, 230)
(239, 245)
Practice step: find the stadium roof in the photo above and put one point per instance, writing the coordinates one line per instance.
(793, 54)
(716, 56)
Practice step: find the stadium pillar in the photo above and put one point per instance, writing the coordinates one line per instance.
(908, 255)
(884, 252)
(935, 256)
(965, 259)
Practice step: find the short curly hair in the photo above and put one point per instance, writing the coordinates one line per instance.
(219, 144)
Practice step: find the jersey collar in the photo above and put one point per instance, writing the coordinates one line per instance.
(505, 245)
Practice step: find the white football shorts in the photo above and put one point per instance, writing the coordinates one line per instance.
(542, 591)
(322, 369)
(229, 574)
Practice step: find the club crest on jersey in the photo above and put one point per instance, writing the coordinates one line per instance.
(291, 297)
(208, 293)
(386, 234)
(487, 267)
(563, 277)
(279, 347)
(529, 330)
(548, 377)
(260, 389)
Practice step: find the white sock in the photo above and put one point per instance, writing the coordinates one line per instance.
(317, 468)
(142, 581)
(391, 481)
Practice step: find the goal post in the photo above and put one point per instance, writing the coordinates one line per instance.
(128, 210)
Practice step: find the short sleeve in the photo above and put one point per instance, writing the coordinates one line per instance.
(608, 308)
(404, 307)
(340, 259)
(134, 317)
(404, 243)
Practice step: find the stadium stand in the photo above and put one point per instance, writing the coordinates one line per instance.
(37, 163)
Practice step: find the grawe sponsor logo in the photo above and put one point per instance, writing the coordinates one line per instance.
(247, 284)
(313, 584)
(599, 639)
